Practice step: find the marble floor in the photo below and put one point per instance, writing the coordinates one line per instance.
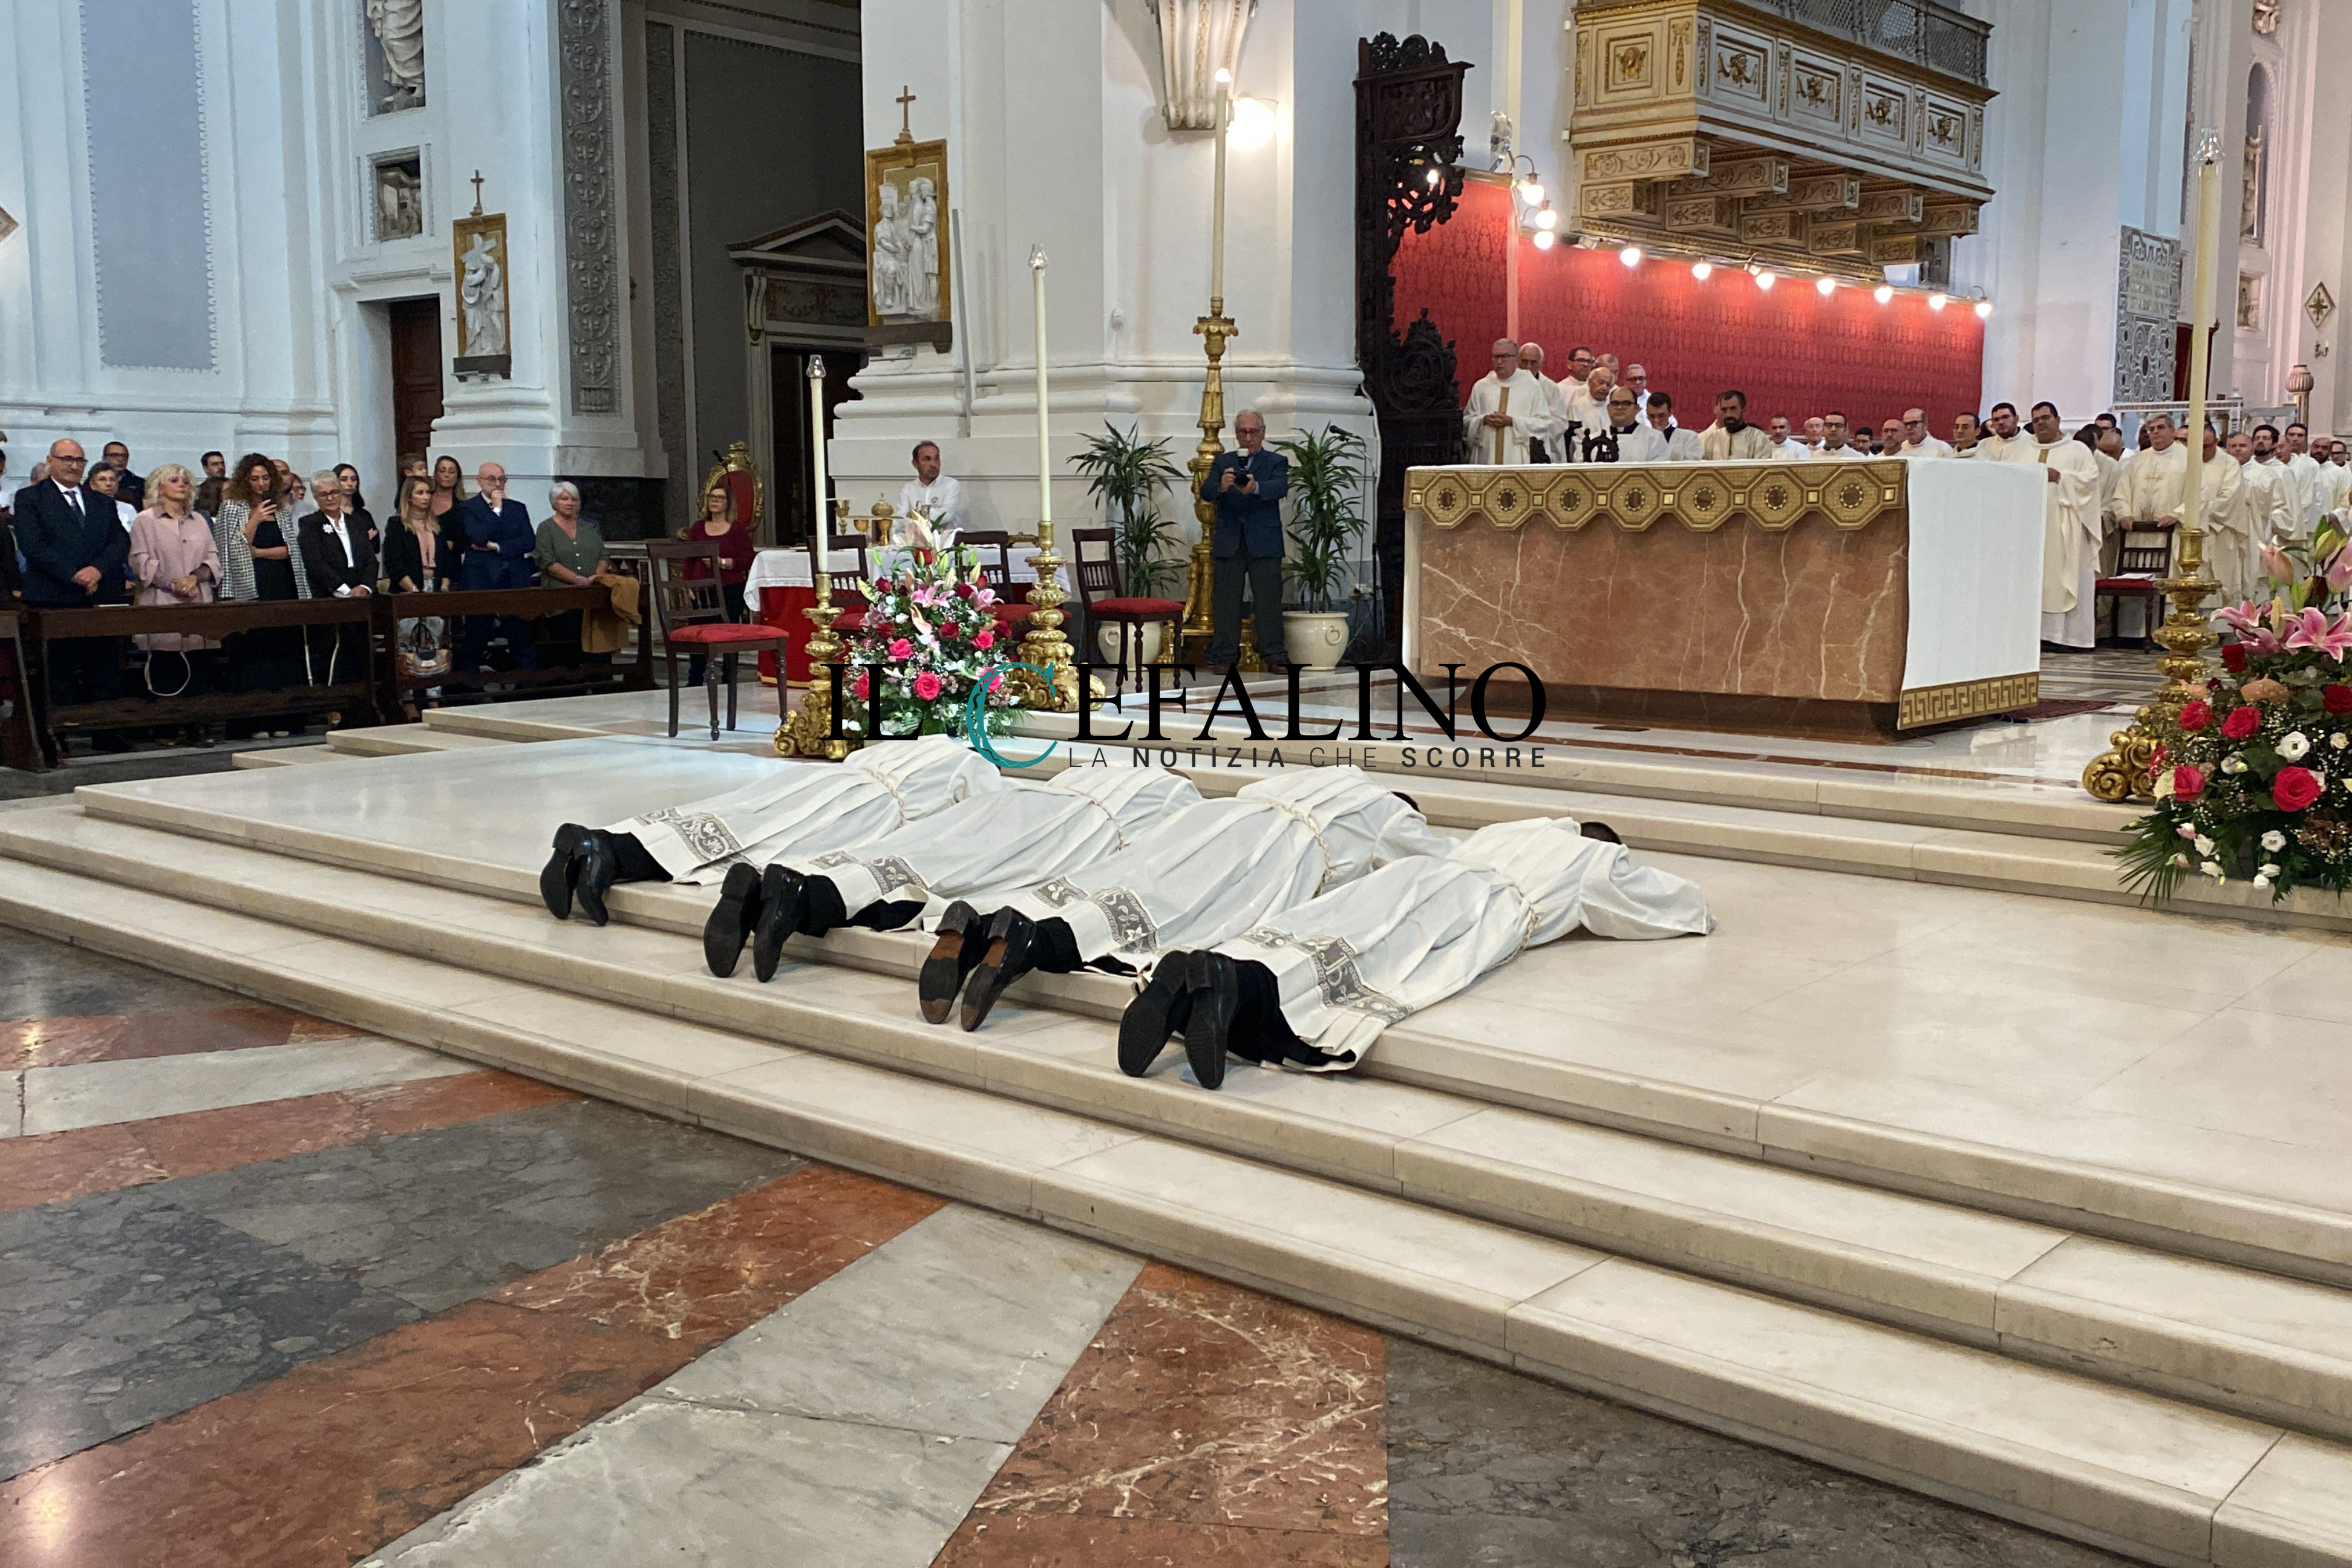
(282, 1295)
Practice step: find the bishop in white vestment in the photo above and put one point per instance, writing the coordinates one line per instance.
(1208, 872)
(2069, 544)
(1505, 409)
(1315, 986)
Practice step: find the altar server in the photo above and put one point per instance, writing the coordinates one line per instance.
(803, 806)
(1209, 872)
(1505, 409)
(2257, 511)
(987, 848)
(1315, 986)
(2070, 542)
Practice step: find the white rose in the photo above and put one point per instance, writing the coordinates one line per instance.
(2204, 845)
(2214, 869)
(2262, 881)
(2269, 871)
(2339, 740)
(2274, 841)
(2294, 745)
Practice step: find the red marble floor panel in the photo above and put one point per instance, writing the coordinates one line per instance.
(54, 1166)
(180, 1031)
(1205, 1423)
(342, 1454)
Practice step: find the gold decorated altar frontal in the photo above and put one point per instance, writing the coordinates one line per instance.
(1701, 496)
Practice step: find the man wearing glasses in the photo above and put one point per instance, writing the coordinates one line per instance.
(74, 549)
(1917, 441)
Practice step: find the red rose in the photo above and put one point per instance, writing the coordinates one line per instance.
(963, 590)
(2233, 658)
(2242, 723)
(2338, 698)
(2195, 716)
(2294, 788)
(881, 584)
(2187, 782)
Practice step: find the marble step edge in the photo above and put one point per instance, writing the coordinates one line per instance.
(285, 757)
(2118, 1469)
(403, 740)
(2249, 1229)
(1654, 1205)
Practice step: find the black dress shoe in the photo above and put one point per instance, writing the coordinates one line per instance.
(1217, 1001)
(1158, 1011)
(1012, 943)
(600, 868)
(779, 913)
(561, 870)
(731, 919)
(961, 940)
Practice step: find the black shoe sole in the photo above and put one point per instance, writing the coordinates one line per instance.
(1011, 939)
(952, 961)
(1217, 998)
(588, 887)
(1158, 1012)
(731, 919)
(780, 912)
(561, 870)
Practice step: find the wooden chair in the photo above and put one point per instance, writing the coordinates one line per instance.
(848, 575)
(1011, 608)
(1100, 593)
(2145, 560)
(693, 611)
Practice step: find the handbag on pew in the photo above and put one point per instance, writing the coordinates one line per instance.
(420, 650)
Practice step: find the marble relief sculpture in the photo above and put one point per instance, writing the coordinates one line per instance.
(481, 295)
(398, 28)
(399, 201)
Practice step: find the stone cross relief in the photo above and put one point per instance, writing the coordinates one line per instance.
(398, 28)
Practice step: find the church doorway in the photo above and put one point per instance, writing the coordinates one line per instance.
(416, 373)
(788, 435)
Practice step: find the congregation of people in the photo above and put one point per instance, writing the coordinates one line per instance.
(76, 534)
(2263, 486)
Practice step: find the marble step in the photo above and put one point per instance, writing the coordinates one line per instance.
(285, 757)
(403, 740)
(2120, 1468)
(2238, 1199)
(2275, 1349)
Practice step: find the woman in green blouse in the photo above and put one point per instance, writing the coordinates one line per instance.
(569, 552)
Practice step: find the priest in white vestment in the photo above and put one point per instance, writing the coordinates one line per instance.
(2149, 484)
(1555, 396)
(2309, 496)
(984, 848)
(2335, 484)
(2259, 510)
(1315, 986)
(2070, 543)
(1681, 446)
(796, 805)
(1731, 437)
(1917, 440)
(1588, 400)
(1505, 409)
(1637, 441)
(1210, 872)
(2001, 430)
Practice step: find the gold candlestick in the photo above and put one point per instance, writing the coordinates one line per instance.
(1044, 643)
(809, 732)
(1200, 610)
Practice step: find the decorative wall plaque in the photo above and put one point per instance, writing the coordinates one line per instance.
(2147, 304)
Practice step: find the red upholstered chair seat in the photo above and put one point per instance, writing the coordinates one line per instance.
(709, 632)
(850, 621)
(1011, 612)
(1141, 609)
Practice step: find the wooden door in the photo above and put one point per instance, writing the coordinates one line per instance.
(788, 487)
(416, 375)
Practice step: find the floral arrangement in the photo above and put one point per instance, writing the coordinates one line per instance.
(2255, 780)
(929, 634)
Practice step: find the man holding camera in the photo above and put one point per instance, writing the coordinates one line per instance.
(1247, 488)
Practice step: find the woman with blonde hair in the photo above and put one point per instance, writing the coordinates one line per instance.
(174, 560)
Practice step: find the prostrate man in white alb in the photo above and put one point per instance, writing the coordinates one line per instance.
(1636, 442)
(1505, 410)
(932, 493)
(1731, 436)
(987, 848)
(2070, 543)
(2309, 499)
(1917, 441)
(1544, 441)
(1208, 872)
(1681, 446)
(1785, 445)
(806, 806)
(1316, 986)
(2254, 511)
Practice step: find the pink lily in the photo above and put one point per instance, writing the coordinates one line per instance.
(2312, 629)
(2338, 570)
(2275, 563)
(2245, 619)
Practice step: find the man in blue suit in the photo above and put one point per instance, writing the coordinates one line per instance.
(1247, 488)
(74, 547)
(498, 544)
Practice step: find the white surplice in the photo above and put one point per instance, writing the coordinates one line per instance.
(2304, 473)
(810, 807)
(2070, 539)
(1526, 407)
(1554, 420)
(1640, 444)
(1215, 869)
(2334, 487)
(1353, 962)
(2260, 510)
(996, 844)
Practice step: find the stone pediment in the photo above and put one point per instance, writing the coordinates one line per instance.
(1839, 138)
(806, 281)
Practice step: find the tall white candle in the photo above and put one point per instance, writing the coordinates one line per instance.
(1217, 202)
(816, 446)
(1044, 443)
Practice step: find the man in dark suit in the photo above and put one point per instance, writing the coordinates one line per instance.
(1247, 488)
(75, 550)
(499, 540)
(131, 487)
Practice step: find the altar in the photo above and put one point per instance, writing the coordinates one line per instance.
(1858, 597)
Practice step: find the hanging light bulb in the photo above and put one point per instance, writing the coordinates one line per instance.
(1631, 256)
(1937, 302)
(1702, 270)
(1434, 176)
(1543, 240)
(1546, 218)
(1984, 310)
(1532, 193)
(1884, 293)
(1825, 287)
(1765, 278)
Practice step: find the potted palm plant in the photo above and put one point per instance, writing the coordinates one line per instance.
(1326, 484)
(1129, 476)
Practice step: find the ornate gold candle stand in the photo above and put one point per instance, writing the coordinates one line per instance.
(1044, 643)
(809, 732)
(2127, 770)
(1199, 626)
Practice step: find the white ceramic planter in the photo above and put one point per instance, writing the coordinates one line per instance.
(1142, 646)
(1315, 639)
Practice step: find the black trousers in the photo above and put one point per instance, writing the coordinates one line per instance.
(1262, 576)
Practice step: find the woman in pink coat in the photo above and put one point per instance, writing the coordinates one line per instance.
(174, 562)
